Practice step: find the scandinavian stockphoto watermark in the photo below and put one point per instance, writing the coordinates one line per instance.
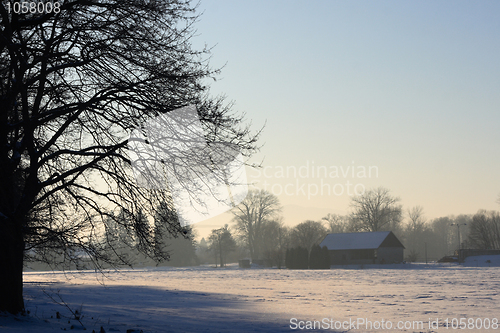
(312, 180)
(204, 178)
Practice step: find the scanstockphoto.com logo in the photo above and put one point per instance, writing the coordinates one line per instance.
(171, 152)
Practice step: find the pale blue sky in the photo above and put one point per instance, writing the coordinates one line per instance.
(410, 87)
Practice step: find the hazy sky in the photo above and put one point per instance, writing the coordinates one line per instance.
(410, 88)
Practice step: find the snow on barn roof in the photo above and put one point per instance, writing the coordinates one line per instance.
(360, 240)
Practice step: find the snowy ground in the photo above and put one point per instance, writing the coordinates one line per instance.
(205, 299)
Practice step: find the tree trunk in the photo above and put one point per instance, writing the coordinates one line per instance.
(11, 269)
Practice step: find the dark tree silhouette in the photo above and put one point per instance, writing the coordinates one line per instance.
(297, 258)
(73, 85)
(319, 257)
(178, 248)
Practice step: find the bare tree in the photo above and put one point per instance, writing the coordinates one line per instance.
(416, 219)
(73, 84)
(308, 233)
(221, 243)
(415, 230)
(251, 216)
(376, 210)
(443, 240)
(416, 224)
(484, 230)
(275, 241)
(338, 223)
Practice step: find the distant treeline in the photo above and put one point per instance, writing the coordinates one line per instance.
(262, 235)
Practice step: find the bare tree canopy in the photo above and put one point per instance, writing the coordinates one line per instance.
(307, 234)
(484, 230)
(416, 219)
(275, 240)
(73, 84)
(337, 224)
(375, 210)
(251, 215)
(416, 232)
(221, 243)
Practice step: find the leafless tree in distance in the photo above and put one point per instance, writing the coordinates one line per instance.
(221, 243)
(415, 230)
(251, 215)
(337, 224)
(275, 241)
(484, 230)
(308, 233)
(376, 210)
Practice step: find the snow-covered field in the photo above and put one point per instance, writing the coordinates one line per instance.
(205, 299)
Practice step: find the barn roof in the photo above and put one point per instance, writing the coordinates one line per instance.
(361, 240)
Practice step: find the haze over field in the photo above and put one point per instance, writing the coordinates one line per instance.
(407, 87)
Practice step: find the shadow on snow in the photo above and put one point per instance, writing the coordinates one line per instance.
(150, 309)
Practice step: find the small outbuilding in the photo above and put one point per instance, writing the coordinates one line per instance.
(358, 248)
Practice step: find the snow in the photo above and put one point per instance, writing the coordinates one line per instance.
(205, 299)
